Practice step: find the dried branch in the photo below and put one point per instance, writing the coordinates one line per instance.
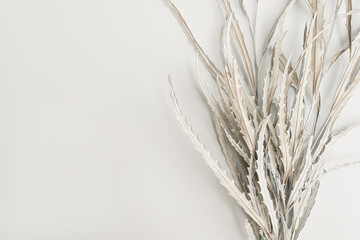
(269, 140)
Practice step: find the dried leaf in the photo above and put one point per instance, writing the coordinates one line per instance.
(274, 144)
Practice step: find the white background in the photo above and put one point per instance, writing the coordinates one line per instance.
(89, 145)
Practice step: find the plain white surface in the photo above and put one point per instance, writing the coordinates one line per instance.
(89, 145)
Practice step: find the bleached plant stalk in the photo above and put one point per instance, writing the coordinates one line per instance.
(273, 143)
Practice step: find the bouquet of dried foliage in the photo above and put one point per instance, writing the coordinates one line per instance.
(274, 146)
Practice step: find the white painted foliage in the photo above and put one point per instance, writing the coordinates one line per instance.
(273, 143)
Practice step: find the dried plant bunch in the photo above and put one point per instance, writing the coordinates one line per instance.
(268, 128)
